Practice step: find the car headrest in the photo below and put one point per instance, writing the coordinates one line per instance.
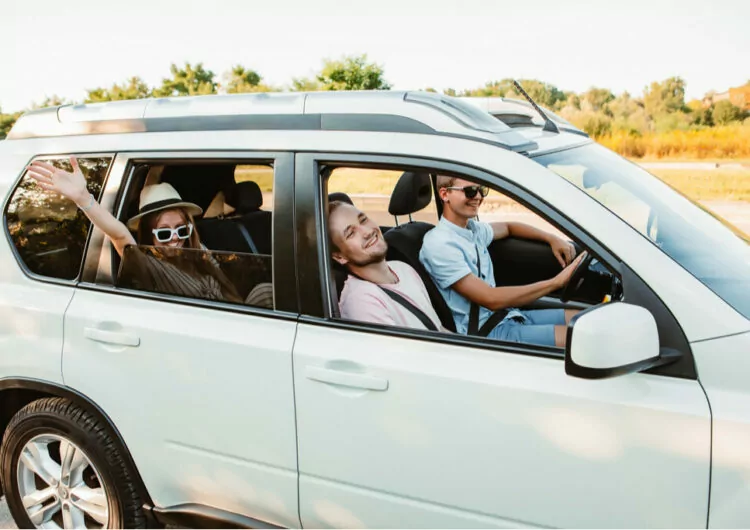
(245, 197)
(413, 192)
(199, 183)
(340, 196)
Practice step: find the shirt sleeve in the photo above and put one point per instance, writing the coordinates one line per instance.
(486, 233)
(366, 307)
(444, 261)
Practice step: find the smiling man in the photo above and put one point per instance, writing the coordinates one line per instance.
(376, 290)
(456, 257)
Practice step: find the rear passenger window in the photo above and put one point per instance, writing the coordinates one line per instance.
(49, 231)
(228, 254)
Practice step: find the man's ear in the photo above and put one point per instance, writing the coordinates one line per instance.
(442, 193)
(339, 258)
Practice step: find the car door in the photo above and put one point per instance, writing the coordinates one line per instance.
(414, 429)
(201, 392)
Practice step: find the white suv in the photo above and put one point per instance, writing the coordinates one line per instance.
(123, 405)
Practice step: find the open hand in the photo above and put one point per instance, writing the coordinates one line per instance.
(71, 185)
(563, 250)
(564, 277)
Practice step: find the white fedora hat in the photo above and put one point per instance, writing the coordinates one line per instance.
(160, 197)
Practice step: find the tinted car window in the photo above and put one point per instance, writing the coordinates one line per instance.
(49, 231)
(209, 275)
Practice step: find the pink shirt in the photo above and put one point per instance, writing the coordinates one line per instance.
(366, 301)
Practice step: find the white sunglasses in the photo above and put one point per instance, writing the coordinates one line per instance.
(164, 235)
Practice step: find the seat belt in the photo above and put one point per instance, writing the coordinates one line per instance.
(406, 304)
(494, 319)
(421, 315)
(248, 239)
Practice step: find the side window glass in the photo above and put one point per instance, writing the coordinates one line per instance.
(370, 190)
(425, 265)
(49, 231)
(223, 253)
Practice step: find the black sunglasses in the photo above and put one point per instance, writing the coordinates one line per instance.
(471, 191)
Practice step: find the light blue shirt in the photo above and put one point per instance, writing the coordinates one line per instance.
(449, 253)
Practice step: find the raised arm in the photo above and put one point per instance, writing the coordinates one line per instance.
(73, 186)
(494, 298)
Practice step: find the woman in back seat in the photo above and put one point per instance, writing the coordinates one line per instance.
(165, 221)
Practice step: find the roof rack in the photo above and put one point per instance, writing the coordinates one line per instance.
(375, 111)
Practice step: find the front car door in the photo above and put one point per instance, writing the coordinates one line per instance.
(413, 429)
(201, 392)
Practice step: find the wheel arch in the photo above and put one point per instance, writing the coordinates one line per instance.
(16, 393)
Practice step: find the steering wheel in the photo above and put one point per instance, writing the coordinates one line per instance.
(576, 278)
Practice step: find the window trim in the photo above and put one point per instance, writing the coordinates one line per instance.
(14, 188)
(99, 274)
(313, 250)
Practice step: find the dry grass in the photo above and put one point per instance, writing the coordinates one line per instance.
(716, 143)
(708, 185)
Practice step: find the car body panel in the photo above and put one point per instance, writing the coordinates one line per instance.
(492, 438)
(724, 368)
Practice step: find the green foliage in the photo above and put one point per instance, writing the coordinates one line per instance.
(50, 101)
(187, 81)
(304, 84)
(133, 88)
(725, 113)
(665, 97)
(241, 80)
(6, 123)
(544, 94)
(351, 73)
(596, 99)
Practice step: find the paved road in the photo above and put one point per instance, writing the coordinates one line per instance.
(6, 521)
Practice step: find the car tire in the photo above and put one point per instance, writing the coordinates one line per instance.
(99, 487)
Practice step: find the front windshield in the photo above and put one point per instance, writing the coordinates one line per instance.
(708, 247)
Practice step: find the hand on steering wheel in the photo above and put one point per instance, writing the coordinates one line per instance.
(576, 277)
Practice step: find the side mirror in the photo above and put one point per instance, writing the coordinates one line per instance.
(613, 339)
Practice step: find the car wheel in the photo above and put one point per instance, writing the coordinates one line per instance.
(60, 468)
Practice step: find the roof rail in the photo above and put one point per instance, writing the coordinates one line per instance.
(375, 111)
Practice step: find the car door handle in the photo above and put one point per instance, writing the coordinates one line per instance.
(338, 377)
(111, 337)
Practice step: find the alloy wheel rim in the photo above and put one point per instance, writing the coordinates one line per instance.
(59, 486)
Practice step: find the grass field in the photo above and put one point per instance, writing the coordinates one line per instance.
(698, 184)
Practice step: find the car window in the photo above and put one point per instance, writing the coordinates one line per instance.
(48, 231)
(227, 255)
(426, 281)
(370, 189)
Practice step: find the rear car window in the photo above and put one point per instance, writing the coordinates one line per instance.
(48, 231)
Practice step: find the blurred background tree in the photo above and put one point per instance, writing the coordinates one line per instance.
(240, 80)
(188, 81)
(133, 88)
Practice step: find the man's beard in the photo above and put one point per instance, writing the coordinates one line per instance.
(375, 258)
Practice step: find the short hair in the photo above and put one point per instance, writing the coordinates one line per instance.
(445, 181)
(332, 207)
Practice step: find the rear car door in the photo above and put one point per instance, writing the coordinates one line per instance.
(416, 429)
(200, 391)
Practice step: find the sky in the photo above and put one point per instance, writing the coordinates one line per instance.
(59, 48)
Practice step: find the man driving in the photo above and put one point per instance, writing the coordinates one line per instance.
(456, 257)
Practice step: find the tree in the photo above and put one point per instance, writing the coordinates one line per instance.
(597, 98)
(544, 94)
(133, 88)
(187, 81)
(665, 97)
(240, 80)
(6, 122)
(725, 113)
(304, 84)
(50, 101)
(351, 73)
